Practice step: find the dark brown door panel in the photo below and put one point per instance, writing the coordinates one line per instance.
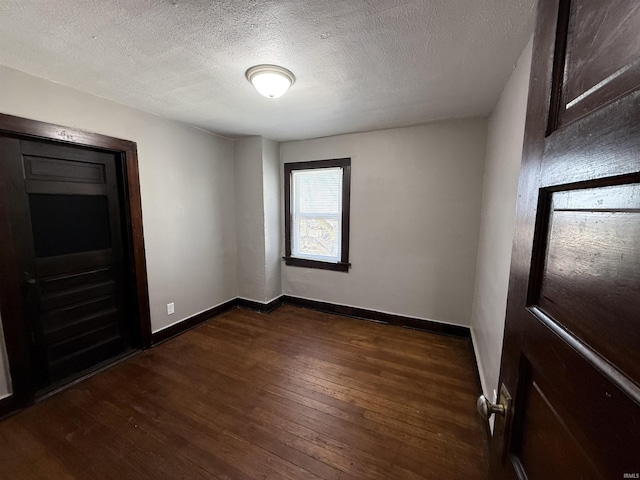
(571, 356)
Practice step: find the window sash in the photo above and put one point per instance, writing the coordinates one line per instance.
(297, 217)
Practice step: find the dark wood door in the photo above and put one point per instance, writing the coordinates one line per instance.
(67, 228)
(571, 354)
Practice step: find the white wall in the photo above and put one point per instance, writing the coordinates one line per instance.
(257, 177)
(415, 217)
(272, 214)
(250, 217)
(504, 151)
(187, 186)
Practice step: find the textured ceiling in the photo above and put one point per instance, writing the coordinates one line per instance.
(360, 64)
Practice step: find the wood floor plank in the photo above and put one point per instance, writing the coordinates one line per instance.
(294, 394)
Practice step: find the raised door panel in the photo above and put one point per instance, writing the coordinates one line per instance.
(592, 76)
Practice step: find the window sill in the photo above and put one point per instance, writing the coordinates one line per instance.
(305, 262)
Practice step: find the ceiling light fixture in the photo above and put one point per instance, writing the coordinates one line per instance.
(270, 80)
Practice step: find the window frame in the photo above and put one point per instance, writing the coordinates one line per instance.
(343, 265)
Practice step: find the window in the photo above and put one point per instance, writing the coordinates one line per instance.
(316, 206)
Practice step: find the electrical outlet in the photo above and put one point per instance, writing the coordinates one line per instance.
(171, 308)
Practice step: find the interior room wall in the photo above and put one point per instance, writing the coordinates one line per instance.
(187, 186)
(257, 178)
(504, 152)
(250, 218)
(272, 217)
(415, 218)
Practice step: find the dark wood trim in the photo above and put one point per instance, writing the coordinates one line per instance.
(134, 204)
(557, 78)
(259, 306)
(49, 131)
(343, 265)
(305, 262)
(287, 211)
(13, 324)
(326, 307)
(192, 322)
(310, 164)
(9, 406)
(478, 383)
(346, 212)
(10, 299)
(381, 317)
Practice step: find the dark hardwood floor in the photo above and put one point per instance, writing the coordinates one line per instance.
(294, 394)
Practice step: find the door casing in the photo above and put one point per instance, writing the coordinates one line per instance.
(11, 310)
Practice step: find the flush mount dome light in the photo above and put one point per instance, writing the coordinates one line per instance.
(270, 80)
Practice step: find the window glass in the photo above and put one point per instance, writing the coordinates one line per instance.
(316, 213)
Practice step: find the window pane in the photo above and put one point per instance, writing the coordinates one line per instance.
(316, 213)
(317, 238)
(318, 190)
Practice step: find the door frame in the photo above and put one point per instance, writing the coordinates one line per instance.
(13, 321)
